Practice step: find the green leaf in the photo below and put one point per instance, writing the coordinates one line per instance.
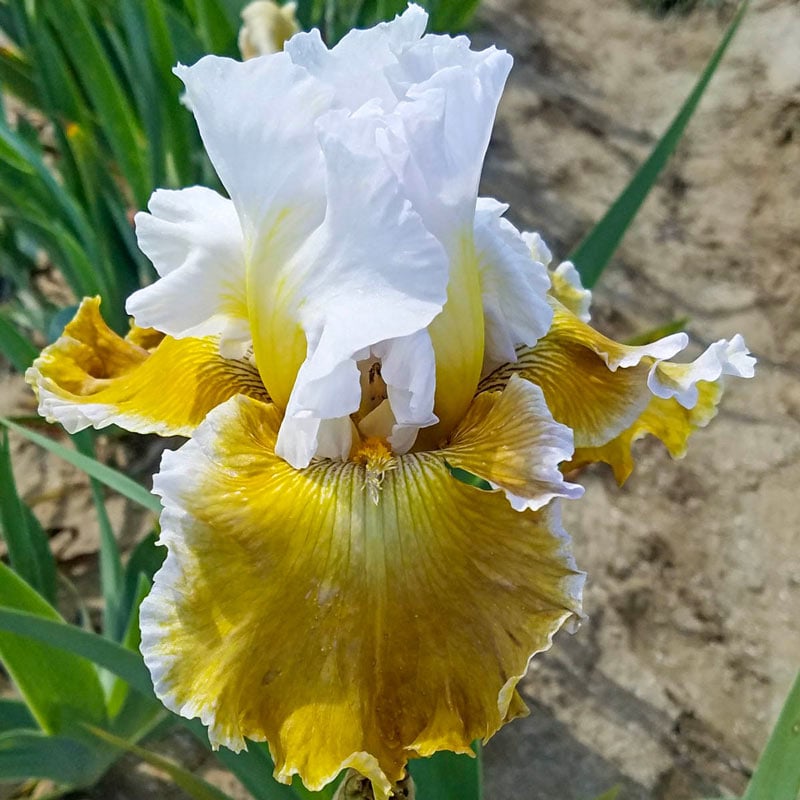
(110, 477)
(448, 776)
(15, 347)
(104, 88)
(777, 775)
(16, 76)
(145, 560)
(216, 26)
(595, 251)
(654, 334)
(252, 767)
(59, 688)
(611, 794)
(31, 754)
(120, 690)
(28, 546)
(468, 478)
(15, 714)
(111, 580)
(193, 786)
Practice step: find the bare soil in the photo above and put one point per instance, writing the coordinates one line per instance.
(671, 687)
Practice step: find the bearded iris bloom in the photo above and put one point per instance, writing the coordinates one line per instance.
(340, 338)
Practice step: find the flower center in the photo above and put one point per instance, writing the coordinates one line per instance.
(375, 454)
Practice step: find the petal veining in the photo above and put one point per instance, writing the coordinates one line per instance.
(666, 419)
(91, 377)
(356, 633)
(510, 439)
(611, 394)
(194, 240)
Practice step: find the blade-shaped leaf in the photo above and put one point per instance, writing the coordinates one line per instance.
(120, 690)
(110, 477)
(14, 346)
(15, 714)
(28, 546)
(252, 767)
(60, 688)
(111, 580)
(594, 252)
(30, 754)
(448, 776)
(193, 786)
(777, 774)
(104, 88)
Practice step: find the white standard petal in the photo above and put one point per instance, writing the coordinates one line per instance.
(257, 123)
(450, 100)
(721, 358)
(194, 240)
(356, 67)
(371, 272)
(513, 284)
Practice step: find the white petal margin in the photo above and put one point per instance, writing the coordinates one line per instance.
(194, 240)
(370, 273)
(565, 278)
(539, 250)
(513, 284)
(680, 380)
(356, 67)
(517, 446)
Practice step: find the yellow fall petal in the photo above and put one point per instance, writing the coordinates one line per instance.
(667, 420)
(510, 439)
(353, 614)
(92, 377)
(592, 384)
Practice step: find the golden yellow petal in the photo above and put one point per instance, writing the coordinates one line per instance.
(571, 365)
(457, 335)
(348, 627)
(510, 439)
(667, 420)
(92, 377)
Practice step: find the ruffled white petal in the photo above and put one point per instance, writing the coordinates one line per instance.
(513, 284)
(680, 380)
(371, 272)
(408, 369)
(566, 285)
(257, 123)
(194, 241)
(356, 67)
(568, 279)
(539, 250)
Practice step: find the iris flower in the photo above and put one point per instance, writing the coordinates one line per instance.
(344, 339)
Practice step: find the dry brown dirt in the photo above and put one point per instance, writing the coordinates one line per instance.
(693, 637)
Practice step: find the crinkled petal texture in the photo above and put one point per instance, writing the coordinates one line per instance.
(353, 176)
(349, 628)
(91, 377)
(194, 240)
(611, 394)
